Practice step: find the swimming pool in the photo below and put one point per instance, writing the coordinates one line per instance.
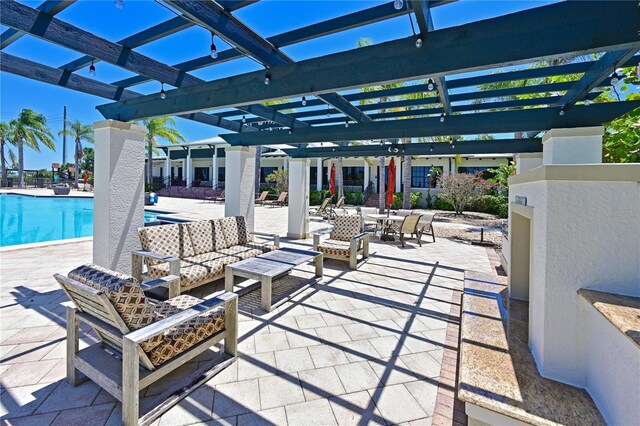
(25, 219)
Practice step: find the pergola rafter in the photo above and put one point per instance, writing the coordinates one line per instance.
(562, 29)
(49, 7)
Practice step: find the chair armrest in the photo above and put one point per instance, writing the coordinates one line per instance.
(359, 236)
(160, 282)
(275, 237)
(161, 326)
(154, 256)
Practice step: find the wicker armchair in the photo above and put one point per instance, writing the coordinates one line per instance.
(345, 241)
(143, 340)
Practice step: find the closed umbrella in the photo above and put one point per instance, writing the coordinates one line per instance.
(332, 180)
(391, 182)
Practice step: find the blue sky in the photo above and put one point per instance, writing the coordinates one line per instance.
(267, 17)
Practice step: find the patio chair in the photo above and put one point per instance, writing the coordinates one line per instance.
(367, 221)
(337, 209)
(262, 198)
(281, 201)
(143, 340)
(426, 225)
(322, 210)
(404, 212)
(410, 225)
(217, 198)
(345, 241)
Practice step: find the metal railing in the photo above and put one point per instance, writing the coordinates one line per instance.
(367, 192)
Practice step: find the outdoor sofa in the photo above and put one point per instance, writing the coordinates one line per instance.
(142, 339)
(197, 252)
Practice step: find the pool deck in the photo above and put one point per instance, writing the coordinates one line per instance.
(377, 345)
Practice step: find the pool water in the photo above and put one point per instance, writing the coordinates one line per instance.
(26, 219)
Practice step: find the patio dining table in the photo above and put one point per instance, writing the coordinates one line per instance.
(384, 219)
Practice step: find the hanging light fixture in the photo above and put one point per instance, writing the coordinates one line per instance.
(119, 4)
(453, 146)
(442, 117)
(430, 84)
(290, 130)
(431, 148)
(587, 101)
(398, 4)
(244, 119)
(450, 141)
(562, 112)
(418, 42)
(615, 79)
(92, 69)
(346, 123)
(214, 51)
(328, 111)
(163, 94)
(267, 78)
(304, 101)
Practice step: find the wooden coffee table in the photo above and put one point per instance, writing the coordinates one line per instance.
(266, 267)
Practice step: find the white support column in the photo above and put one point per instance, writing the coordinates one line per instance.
(399, 166)
(298, 199)
(319, 174)
(118, 193)
(367, 171)
(240, 165)
(214, 167)
(167, 168)
(582, 145)
(188, 167)
(285, 164)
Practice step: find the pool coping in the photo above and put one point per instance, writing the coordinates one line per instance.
(44, 244)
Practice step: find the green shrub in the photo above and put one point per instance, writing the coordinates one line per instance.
(415, 199)
(440, 204)
(316, 197)
(493, 204)
(353, 197)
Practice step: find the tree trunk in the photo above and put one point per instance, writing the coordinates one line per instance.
(4, 164)
(258, 168)
(77, 165)
(21, 163)
(339, 178)
(406, 182)
(150, 162)
(381, 183)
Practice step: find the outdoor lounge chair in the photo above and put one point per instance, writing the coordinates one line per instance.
(322, 210)
(143, 340)
(219, 198)
(262, 198)
(410, 225)
(345, 241)
(426, 225)
(281, 201)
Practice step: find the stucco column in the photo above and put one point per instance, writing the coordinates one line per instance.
(167, 168)
(214, 168)
(581, 145)
(527, 161)
(285, 163)
(240, 164)
(118, 202)
(399, 167)
(367, 171)
(188, 167)
(298, 199)
(319, 174)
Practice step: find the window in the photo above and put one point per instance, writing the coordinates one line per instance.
(220, 174)
(354, 175)
(201, 173)
(421, 176)
(484, 171)
(266, 171)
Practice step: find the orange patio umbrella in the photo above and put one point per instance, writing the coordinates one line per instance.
(86, 176)
(332, 180)
(391, 182)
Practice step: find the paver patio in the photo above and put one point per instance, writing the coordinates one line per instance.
(360, 346)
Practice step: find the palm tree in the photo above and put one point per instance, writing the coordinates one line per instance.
(79, 132)
(5, 137)
(30, 129)
(159, 128)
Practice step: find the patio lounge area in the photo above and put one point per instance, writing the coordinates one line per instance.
(374, 345)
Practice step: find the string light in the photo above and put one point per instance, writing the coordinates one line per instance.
(562, 112)
(267, 78)
(430, 84)
(163, 94)
(92, 69)
(346, 123)
(587, 101)
(442, 117)
(214, 51)
(119, 4)
(615, 79)
(418, 42)
(304, 101)
(291, 130)
(398, 4)
(328, 111)
(244, 119)
(431, 148)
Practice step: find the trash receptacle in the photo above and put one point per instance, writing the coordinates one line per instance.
(10, 182)
(40, 182)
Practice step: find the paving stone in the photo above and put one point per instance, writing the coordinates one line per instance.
(310, 321)
(396, 404)
(194, 408)
(271, 342)
(422, 365)
(425, 392)
(360, 331)
(97, 414)
(301, 339)
(32, 334)
(24, 400)
(66, 397)
(387, 346)
(258, 365)
(333, 334)
(274, 416)
(277, 391)
(293, 360)
(391, 371)
(320, 383)
(316, 412)
(37, 420)
(339, 305)
(357, 376)
(360, 350)
(355, 409)
(28, 352)
(26, 373)
(232, 399)
(325, 356)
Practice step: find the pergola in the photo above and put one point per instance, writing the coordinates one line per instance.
(353, 95)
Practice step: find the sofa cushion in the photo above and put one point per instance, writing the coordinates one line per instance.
(202, 235)
(332, 247)
(235, 230)
(180, 338)
(171, 240)
(346, 227)
(124, 293)
(196, 269)
(242, 251)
